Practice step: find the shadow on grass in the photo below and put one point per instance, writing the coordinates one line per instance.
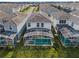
(4, 52)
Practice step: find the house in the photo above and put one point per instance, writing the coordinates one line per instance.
(70, 19)
(73, 5)
(11, 28)
(52, 12)
(68, 30)
(10, 8)
(65, 24)
(38, 32)
(68, 36)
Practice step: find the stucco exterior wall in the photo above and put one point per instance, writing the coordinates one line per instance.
(9, 24)
(34, 25)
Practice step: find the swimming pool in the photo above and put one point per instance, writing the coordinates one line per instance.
(41, 41)
(67, 42)
(2, 41)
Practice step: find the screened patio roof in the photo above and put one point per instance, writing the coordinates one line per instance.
(71, 35)
(39, 33)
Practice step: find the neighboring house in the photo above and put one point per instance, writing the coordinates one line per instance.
(68, 30)
(38, 32)
(68, 36)
(11, 8)
(52, 12)
(64, 19)
(60, 20)
(11, 28)
(69, 19)
(68, 5)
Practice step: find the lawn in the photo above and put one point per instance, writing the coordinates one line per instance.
(27, 10)
(9, 54)
(36, 9)
(30, 9)
(41, 52)
(34, 52)
(4, 52)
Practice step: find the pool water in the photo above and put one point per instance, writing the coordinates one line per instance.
(41, 41)
(66, 41)
(2, 41)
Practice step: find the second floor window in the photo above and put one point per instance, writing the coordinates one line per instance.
(62, 21)
(37, 24)
(10, 28)
(29, 25)
(42, 24)
(4, 21)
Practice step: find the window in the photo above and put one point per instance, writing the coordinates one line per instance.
(37, 24)
(49, 15)
(29, 25)
(62, 21)
(10, 28)
(42, 24)
(72, 24)
(4, 21)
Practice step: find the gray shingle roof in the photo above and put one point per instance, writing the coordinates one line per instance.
(69, 34)
(64, 16)
(19, 18)
(47, 8)
(38, 17)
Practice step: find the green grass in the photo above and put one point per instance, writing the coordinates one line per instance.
(9, 55)
(33, 52)
(27, 10)
(36, 9)
(3, 52)
(30, 9)
(24, 9)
